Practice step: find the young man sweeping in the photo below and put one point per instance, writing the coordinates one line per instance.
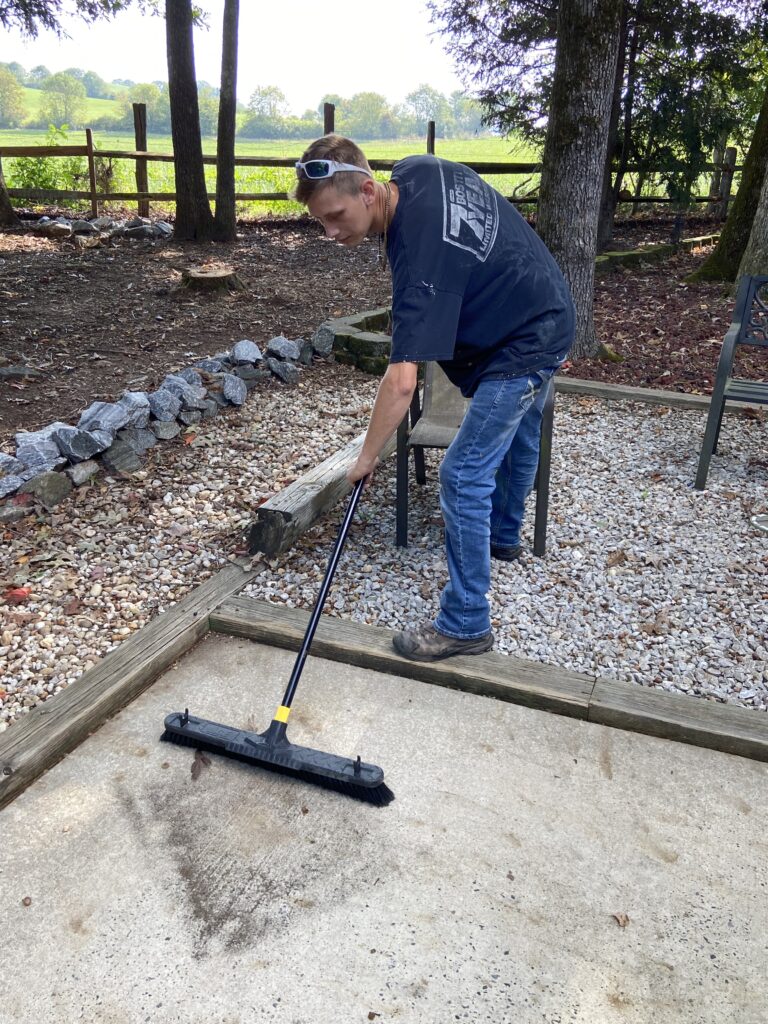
(475, 289)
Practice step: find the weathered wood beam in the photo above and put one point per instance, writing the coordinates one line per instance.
(490, 675)
(282, 519)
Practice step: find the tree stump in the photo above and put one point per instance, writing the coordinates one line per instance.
(211, 279)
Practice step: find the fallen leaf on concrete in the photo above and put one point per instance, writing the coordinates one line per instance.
(27, 901)
(372, 1015)
(200, 761)
(621, 919)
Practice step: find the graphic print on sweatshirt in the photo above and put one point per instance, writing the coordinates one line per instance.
(470, 214)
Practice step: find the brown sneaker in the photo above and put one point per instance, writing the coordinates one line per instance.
(425, 644)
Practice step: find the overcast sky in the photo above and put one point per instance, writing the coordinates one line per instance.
(305, 47)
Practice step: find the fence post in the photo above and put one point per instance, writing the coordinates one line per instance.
(329, 111)
(717, 175)
(431, 137)
(91, 172)
(726, 181)
(142, 178)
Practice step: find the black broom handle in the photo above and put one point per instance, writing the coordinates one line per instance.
(324, 588)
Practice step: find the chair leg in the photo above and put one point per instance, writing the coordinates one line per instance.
(542, 475)
(418, 464)
(401, 485)
(708, 445)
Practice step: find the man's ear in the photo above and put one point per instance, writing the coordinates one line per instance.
(368, 191)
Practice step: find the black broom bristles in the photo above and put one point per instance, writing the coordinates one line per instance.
(378, 796)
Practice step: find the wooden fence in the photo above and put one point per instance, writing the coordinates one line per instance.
(722, 168)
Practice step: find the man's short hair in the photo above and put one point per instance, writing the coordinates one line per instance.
(343, 151)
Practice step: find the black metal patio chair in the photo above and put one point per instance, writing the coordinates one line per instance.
(749, 326)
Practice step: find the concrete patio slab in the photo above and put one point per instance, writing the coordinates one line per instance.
(134, 889)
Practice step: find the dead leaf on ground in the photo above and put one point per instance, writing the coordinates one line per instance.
(622, 920)
(72, 607)
(200, 761)
(17, 595)
(616, 558)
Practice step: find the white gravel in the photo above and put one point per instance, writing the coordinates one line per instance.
(645, 579)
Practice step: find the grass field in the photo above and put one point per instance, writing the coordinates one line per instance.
(94, 108)
(269, 179)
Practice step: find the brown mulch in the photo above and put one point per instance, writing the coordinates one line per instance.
(98, 321)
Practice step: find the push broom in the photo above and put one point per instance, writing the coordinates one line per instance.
(271, 749)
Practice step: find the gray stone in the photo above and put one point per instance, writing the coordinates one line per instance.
(210, 365)
(143, 231)
(138, 222)
(164, 406)
(190, 416)
(48, 488)
(285, 371)
(163, 230)
(120, 458)
(137, 404)
(234, 389)
(82, 472)
(75, 444)
(164, 430)
(245, 352)
(322, 340)
(8, 464)
(106, 416)
(211, 409)
(11, 513)
(104, 437)
(18, 372)
(84, 227)
(283, 348)
(39, 457)
(214, 395)
(138, 438)
(192, 397)
(25, 437)
(251, 375)
(53, 229)
(9, 484)
(103, 224)
(190, 376)
(305, 355)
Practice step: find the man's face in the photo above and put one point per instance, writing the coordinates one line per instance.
(346, 218)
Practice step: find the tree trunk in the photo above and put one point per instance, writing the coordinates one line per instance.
(8, 218)
(575, 149)
(723, 263)
(225, 225)
(610, 191)
(194, 220)
(755, 258)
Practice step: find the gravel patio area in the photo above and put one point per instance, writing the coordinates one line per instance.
(645, 579)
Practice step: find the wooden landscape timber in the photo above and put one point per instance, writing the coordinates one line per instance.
(281, 520)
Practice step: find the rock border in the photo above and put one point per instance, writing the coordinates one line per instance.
(113, 436)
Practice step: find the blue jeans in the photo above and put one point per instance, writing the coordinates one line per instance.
(485, 477)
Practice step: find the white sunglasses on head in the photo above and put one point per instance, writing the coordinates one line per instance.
(315, 170)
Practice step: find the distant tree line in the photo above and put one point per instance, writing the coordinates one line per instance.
(266, 115)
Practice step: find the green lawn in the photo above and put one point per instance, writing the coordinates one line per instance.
(94, 109)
